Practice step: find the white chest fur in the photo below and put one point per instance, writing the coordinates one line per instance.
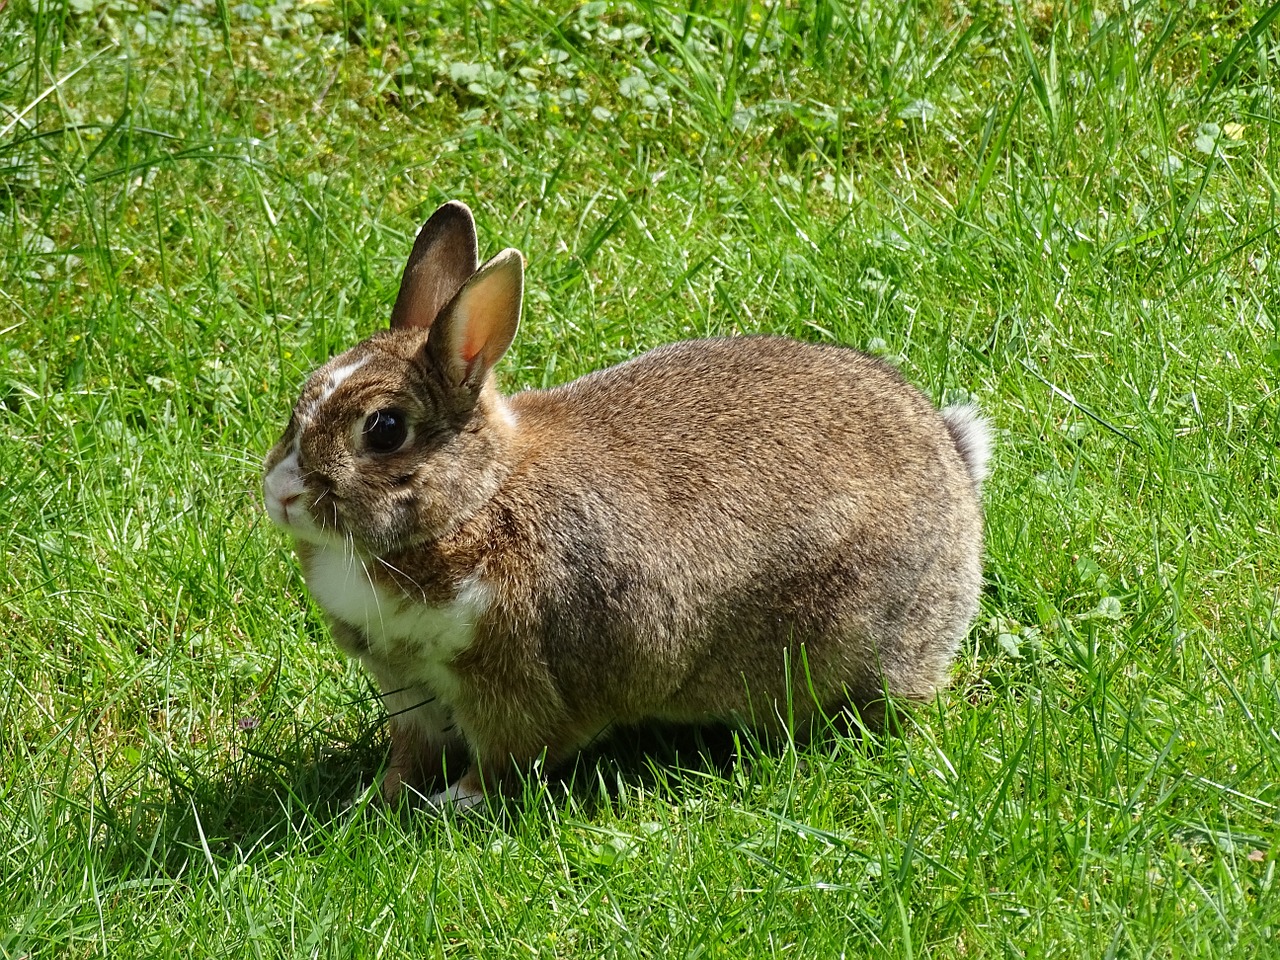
(419, 638)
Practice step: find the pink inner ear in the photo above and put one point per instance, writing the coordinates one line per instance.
(487, 306)
(472, 345)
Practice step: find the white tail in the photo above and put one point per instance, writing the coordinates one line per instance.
(971, 432)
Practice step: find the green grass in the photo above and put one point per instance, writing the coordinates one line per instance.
(1067, 210)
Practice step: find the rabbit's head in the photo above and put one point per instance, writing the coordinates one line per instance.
(397, 440)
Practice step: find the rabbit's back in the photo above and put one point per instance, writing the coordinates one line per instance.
(675, 523)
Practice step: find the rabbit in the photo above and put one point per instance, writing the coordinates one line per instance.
(751, 530)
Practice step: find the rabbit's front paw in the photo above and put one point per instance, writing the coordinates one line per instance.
(465, 793)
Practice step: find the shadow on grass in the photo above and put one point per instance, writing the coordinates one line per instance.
(296, 790)
(280, 789)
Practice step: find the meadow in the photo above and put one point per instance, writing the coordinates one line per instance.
(1066, 211)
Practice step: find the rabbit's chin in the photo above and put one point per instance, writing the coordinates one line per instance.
(350, 543)
(295, 519)
(292, 508)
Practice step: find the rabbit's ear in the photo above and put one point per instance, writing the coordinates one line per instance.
(478, 325)
(444, 257)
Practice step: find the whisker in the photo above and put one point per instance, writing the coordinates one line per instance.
(236, 458)
(400, 573)
(377, 598)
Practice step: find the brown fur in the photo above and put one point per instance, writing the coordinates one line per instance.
(747, 530)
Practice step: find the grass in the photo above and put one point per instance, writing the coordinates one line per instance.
(1067, 210)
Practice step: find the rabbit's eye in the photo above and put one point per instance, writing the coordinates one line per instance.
(385, 431)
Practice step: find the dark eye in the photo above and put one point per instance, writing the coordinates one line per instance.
(385, 431)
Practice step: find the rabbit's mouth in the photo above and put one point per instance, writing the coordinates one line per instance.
(303, 517)
(295, 508)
